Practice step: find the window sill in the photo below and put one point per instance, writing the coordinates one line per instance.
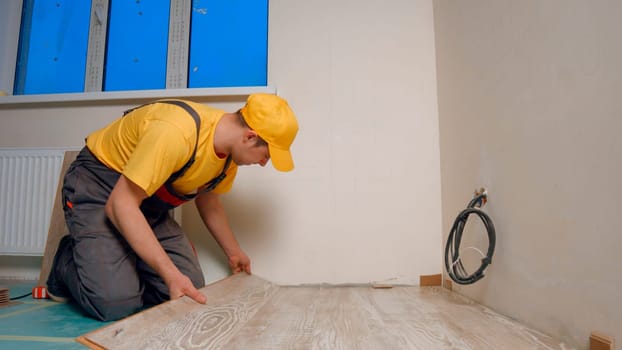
(118, 96)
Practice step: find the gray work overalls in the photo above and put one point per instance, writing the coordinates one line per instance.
(101, 271)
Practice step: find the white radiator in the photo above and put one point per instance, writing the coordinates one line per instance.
(28, 181)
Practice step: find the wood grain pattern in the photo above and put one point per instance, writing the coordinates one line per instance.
(368, 318)
(184, 324)
(323, 317)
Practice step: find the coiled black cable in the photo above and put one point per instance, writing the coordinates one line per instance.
(454, 267)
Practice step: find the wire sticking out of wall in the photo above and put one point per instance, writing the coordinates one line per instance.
(453, 262)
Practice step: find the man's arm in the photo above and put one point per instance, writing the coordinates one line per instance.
(123, 209)
(215, 219)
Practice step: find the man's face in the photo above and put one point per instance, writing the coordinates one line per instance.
(248, 152)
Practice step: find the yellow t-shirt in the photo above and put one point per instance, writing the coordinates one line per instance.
(150, 143)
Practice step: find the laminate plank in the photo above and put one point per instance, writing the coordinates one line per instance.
(337, 318)
(286, 321)
(435, 318)
(311, 318)
(185, 324)
(245, 312)
(410, 324)
(367, 318)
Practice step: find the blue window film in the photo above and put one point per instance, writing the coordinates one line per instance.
(228, 43)
(52, 46)
(137, 45)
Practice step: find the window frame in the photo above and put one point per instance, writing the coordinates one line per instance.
(10, 17)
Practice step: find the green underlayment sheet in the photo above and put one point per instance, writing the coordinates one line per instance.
(41, 324)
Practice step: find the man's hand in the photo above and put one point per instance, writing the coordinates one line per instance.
(213, 214)
(181, 285)
(239, 262)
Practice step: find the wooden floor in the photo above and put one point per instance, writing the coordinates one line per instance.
(246, 312)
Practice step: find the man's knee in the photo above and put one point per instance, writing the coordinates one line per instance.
(111, 306)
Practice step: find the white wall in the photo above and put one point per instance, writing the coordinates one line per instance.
(529, 96)
(363, 203)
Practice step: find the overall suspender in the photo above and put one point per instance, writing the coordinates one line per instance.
(166, 198)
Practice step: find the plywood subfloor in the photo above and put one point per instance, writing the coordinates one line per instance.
(57, 228)
(246, 312)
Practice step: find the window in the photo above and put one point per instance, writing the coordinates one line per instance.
(119, 45)
(52, 47)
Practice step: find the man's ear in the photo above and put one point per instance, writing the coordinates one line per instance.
(250, 135)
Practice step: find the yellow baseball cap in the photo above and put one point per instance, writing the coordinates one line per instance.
(272, 118)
